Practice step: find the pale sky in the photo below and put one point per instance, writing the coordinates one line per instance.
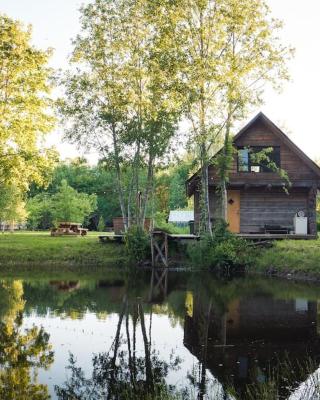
(55, 22)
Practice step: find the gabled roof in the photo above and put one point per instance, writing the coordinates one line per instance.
(280, 134)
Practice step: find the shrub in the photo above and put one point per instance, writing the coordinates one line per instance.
(221, 251)
(137, 243)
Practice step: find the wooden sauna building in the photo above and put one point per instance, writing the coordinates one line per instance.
(261, 201)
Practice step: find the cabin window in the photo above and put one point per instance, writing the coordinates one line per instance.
(243, 160)
(258, 159)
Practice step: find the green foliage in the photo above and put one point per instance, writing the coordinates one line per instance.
(223, 161)
(221, 251)
(65, 205)
(170, 192)
(101, 225)
(39, 209)
(137, 243)
(69, 205)
(263, 157)
(22, 351)
(12, 205)
(224, 53)
(97, 180)
(25, 115)
(121, 105)
(177, 187)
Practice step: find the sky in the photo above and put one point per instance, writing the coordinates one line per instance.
(295, 109)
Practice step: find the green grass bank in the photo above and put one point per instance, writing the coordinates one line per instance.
(296, 257)
(20, 251)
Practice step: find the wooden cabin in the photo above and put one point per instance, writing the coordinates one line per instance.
(260, 201)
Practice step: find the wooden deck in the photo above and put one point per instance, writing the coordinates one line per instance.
(275, 236)
(249, 236)
(184, 237)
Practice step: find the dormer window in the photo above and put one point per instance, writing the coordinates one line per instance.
(258, 159)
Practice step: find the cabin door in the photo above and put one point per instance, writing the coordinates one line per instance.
(234, 210)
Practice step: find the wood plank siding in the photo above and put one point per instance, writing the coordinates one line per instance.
(263, 207)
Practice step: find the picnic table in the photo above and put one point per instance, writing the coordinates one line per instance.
(69, 228)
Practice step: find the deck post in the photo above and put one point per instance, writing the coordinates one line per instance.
(166, 248)
(159, 248)
(152, 251)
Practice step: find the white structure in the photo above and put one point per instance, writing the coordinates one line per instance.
(181, 218)
(300, 225)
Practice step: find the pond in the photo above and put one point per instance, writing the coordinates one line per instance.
(159, 335)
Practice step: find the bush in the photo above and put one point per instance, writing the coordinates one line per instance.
(137, 243)
(221, 251)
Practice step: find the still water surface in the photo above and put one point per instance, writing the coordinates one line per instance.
(188, 335)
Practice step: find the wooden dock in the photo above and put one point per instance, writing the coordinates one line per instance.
(159, 245)
(275, 236)
(181, 237)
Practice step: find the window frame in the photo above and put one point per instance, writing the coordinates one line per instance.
(259, 148)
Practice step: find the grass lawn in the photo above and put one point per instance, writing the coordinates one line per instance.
(29, 249)
(37, 252)
(292, 255)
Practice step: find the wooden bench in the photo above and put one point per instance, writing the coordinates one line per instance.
(277, 229)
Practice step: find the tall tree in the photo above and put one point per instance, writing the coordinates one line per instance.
(24, 107)
(253, 57)
(117, 100)
(225, 51)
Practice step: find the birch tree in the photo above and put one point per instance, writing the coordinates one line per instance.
(226, 51)
(253, 57)
(116, 100)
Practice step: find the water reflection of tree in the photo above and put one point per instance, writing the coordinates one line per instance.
(22, 352)
(120, 373)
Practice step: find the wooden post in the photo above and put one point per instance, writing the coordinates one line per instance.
(312, 215)
(152, 251)
(159, 248)
(166, 249)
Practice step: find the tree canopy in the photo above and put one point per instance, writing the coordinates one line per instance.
(118, 99)
(65, 205)
(25, 107)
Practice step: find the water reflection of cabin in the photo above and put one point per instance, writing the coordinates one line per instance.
(252, 334)
(257, 201)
